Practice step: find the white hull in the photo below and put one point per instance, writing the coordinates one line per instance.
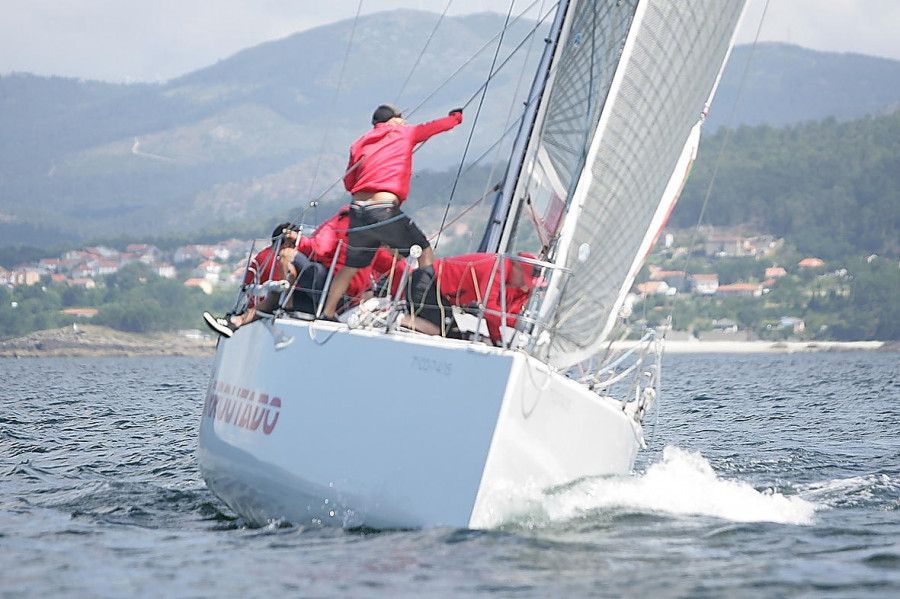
(358, 428)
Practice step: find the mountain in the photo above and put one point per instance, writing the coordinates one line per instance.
(780, 84)
(266, 131)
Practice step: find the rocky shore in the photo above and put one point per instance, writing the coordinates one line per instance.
(91, 340)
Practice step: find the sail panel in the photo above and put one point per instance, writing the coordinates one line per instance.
(581, 80)
(660, 88)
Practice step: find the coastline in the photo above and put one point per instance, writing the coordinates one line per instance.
(786, 347)
(96, 341)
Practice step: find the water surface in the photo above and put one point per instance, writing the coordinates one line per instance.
(773, 475)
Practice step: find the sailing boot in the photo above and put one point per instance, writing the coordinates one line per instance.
(421, 281)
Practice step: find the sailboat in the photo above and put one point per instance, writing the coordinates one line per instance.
(367, 424)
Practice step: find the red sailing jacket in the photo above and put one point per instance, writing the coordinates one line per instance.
(323, 243)
(381, 160)
(260, 268)
(463, 280)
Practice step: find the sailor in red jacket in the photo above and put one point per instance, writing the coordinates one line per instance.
(316, 253)
(378, 177)
(270, 263)
(263, 266)
(463, 281)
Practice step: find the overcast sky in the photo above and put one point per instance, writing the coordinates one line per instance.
(131, 40)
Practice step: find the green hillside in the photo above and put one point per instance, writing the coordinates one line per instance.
(267, 130)
(830, 188)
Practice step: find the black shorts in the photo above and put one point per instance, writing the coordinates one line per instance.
(374, 226)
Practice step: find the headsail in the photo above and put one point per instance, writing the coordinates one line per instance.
(616, 134)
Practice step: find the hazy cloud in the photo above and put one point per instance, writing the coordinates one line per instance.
(127, 40)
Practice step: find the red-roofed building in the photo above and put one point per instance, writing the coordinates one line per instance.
(209, 270)
(811, 263)
(204, 285)
(652, 288)
(107, 267)
(674, 278)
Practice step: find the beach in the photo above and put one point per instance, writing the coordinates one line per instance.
(748, 347)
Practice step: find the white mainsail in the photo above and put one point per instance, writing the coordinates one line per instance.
(615, 136)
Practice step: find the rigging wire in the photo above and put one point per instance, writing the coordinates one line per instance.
(494, 72)
(498, 68)
(337, 93)
(718, 162)
(495, 163)
(475, 121)
(422, 52)
(478, 52)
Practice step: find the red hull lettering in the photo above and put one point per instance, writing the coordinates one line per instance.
(243, 408)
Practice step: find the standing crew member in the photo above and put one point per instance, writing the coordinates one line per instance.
(378, 176)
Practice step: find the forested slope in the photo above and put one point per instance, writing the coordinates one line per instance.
(830, 188)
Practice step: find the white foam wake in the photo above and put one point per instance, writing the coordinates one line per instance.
(682, 483)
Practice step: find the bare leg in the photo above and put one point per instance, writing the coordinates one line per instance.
(338, 287)
(266, 305)
(419, 324)
(247, 317)
(427, 257)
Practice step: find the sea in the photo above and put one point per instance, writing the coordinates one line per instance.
(766, 475)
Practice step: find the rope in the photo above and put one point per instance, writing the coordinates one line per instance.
(337, 93)
(422, 52)
(495, 188)
(478, 52)
(494, 72)
(519, 84)
(475, 121)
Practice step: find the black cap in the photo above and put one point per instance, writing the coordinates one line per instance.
(276, 232)
(384, 113)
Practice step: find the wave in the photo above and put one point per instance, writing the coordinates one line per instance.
(873, 490)
(682, 483)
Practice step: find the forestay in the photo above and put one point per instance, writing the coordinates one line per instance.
(616, 133)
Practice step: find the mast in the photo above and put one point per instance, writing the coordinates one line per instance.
(496, 230)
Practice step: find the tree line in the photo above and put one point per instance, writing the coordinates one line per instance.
(135, 299)
(830, 189)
